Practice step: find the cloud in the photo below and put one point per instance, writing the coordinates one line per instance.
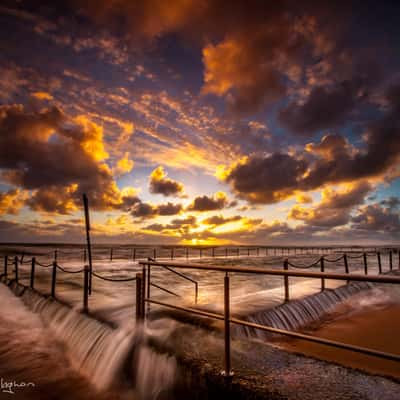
(49, 153)
(42, 96)
(377, 219)
(277, 176)
(124, 165)
(12, 201)
(335, 207)
(161, 184)
(147, 210)
(220, 220)
(205, 203)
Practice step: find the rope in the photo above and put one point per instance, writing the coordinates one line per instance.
(113, 280)
(304, 266)
(336, 260)
(349, 256)
(44, 265)
(70, 272)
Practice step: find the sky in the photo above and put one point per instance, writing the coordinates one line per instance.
(200, 122)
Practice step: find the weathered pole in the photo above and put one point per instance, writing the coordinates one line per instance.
(390, 260)
(5, 266)
(346, 264)
(89, 247)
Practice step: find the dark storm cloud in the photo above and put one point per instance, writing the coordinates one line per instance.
(221, 220)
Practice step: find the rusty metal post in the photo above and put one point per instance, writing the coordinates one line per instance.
(86, 272)
(390, 260)
(16, 268)
(227, 372)
(379, 262)
(33, 273)
(53, 280)
(322, 270)
(286, 279)
(365, 264)
(139, 286)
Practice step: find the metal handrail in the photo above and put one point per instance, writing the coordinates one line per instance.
(263, 271)
(162, 265)
(226, 317)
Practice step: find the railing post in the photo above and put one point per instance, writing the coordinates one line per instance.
(111, 254)
(143, 291)
(134, 254)
(5, 266)
(398, 253)
(346, 264)
(139, 286)
(86, 272)
(84, 255)
(55, 255)
(201, 253)
(16, 268)
(148, 285)
(365, 264)
(322, 270)
(379, 262)
(172, 253)
(213, 252)
(286, 279)
(390, 260)
(266, 251)
(187, 253)
(53, 280)
(258, 251)
(226, 252)
(248, 252)
(33, 272)
(154, 253)
(227, 330)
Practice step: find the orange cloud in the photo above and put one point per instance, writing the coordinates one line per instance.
(42, 96)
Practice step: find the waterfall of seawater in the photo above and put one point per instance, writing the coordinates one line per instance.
(299, 313)
(107, 356)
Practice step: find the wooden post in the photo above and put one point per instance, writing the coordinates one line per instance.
(322, 270)
(226, 252)
(154, 253)
(33, 273)
(213, 252)
(286, 279)
(86, 273)
(89, 247)
(148, 286)
(379, 262)
(5, 266)
(55, 255)
(139, 286)
(346, 265)
(227, 329)
(84, 255)
(365, 264)
(248, 252)
(187, 253)
(53, 280)
(111, 254)
(390, 260)
(398, 253)
(201, 253)
(134, 254)
(16, 268)
(172, 254)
